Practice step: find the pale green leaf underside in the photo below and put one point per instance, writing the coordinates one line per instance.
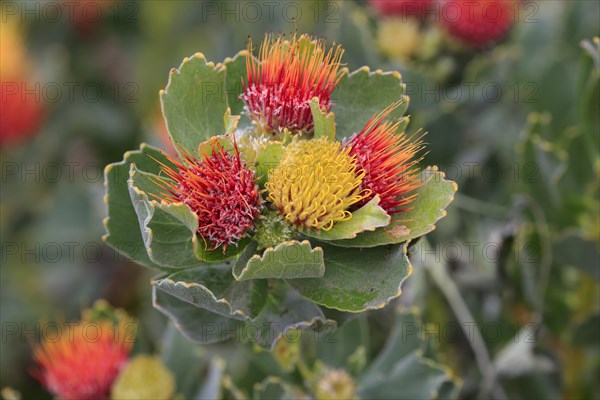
(212, 287)
(197, 324)
(229, 309)
(167, 229)
(122, 227)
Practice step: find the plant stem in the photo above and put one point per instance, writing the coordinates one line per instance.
(463, 315)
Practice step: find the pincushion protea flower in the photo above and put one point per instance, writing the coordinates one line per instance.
(478, 23)
(220, 190)
(315, 184)
(388, 159)
(85, 361)
(286, 77)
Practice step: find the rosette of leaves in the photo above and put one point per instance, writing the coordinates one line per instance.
(276, 274)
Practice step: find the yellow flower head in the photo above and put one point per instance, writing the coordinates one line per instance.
(315, 184)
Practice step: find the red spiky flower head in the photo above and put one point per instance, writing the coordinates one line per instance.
(287, 75)
(222, 192)
(417, 8)
(84, 361)
(389, 160)
(478, 23)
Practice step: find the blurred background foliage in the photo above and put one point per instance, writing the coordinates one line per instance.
(516, 124)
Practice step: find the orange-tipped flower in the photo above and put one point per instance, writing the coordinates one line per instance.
(85, 361)
(220, 190)
(388, 158)
(286, 77)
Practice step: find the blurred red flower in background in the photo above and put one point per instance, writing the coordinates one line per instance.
(478, 23)
(417, 8)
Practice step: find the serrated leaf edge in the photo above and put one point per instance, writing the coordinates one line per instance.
(315, 234)
(257, 257)
(159, 282)
(107, 170)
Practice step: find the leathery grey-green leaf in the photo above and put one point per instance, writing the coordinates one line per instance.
(412, 377)
(194, 101)
(287, 260)
(433, 197)
(367, 218)
(362, 94)
(168, 230)
(235, 72)
(356, 280)
(196, 324)
(272, 387)
(212, 288)
(285, 313)
(401, 363)
(121, 224)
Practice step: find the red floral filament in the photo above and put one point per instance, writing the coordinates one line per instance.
(388, 159)
(286, 77)
(220, 190)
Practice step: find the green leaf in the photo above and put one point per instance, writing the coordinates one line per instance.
(412, 377)
(186, 365)
(401, 365)
(288, 260)
(268, 156)
(212, 288)
(367, 218)
(196, 324)
(433, 197)
(285, 314)
(361, 94)
(404, 338)
(341, 348)
(194, 101)
(356, 280)
(324, 121)
(235, 72)
(574, 250)
(168, 230)
(122, 227)
(273, 387)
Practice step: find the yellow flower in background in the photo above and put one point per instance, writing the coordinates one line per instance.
(13, 54)
(398, 37)
(315, 184)
(144, 377)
